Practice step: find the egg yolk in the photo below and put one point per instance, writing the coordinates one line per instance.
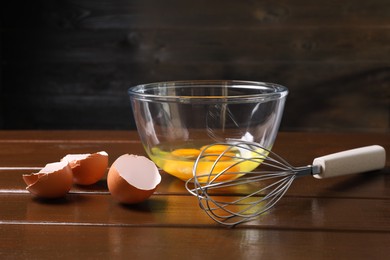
(186, 152)
(207, 166)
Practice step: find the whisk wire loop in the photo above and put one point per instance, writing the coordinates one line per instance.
(227, 171)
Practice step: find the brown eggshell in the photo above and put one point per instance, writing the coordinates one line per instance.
(132, 179)
(53, 181)
(87, 168)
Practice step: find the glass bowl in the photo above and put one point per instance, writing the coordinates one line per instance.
(176, 120)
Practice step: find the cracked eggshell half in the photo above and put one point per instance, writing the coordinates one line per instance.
(53, 181)
(132, 179)
(87, 168)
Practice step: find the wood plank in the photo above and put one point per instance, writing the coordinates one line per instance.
(364, 186)
(334, 140)
(97, 80)
(75, 136)
(291, 213)
(38, 154)
(246, 45)
(90, 101)
(88, 242)
(104, 14)
(119, 242)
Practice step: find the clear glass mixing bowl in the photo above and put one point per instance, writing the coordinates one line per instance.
(176, 120)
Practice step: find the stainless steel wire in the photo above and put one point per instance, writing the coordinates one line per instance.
(272, 175)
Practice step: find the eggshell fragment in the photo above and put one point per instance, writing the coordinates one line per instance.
(132, 179)
(53, 181)
(87, 168)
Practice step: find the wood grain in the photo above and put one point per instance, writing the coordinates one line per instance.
(168, 211)
(344, 217)
(189, 243)
(68, 65)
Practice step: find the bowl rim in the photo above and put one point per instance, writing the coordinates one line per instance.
(274, 91)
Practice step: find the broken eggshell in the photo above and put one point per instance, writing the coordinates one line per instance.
(87, 168)
(132, 179)
(53, 181)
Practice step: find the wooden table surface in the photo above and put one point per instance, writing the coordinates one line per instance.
(340, 218)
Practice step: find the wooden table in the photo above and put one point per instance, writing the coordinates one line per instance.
(341, 218)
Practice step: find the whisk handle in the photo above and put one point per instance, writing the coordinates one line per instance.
(364, 159)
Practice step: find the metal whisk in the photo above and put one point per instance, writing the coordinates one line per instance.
(266, 175)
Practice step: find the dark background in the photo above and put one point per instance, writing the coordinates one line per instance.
(68, 64)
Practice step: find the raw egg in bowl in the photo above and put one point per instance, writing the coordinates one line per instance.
(177, 120)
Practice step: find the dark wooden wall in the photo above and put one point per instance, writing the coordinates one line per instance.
(67, 64)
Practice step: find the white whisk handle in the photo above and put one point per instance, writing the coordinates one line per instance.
(364, 159)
